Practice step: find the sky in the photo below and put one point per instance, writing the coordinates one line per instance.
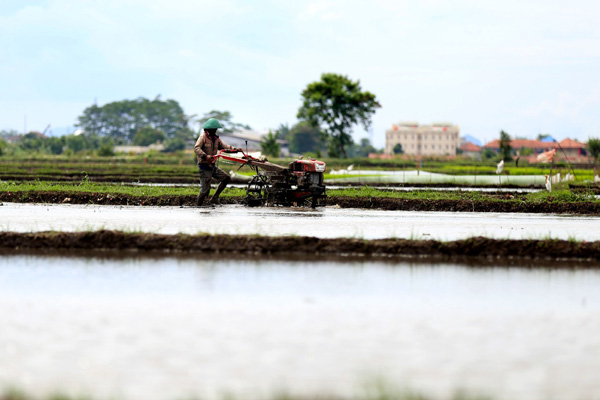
(523, 66)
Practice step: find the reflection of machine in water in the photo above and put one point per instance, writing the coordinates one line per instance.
(301, 183)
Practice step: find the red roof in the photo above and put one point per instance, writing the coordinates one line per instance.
(571, 144)
(527, 143)
(470, 147)
(537, 144)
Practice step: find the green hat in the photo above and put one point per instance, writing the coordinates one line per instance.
(212, 123)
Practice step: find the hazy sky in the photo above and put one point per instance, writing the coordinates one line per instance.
(519, 65)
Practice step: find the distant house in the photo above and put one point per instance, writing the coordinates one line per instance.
(471, 150)
(15, 138)
(437, 139)
(537, 146)
(567, 148)
(572, 148)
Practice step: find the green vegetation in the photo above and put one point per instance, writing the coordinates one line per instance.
(505, 148)
(303, 138)
(593, 147)
(561, 196)
(226, 120)
(122, 120)
(337, 103)
(269, 145)
(181, 167)
(85, 186)
(36, 144)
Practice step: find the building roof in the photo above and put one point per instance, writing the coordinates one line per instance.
(537, 144)
(571, 144)
(472, 147)
(518, 143)
(246, 135)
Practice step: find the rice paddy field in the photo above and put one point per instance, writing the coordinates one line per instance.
(467, 285)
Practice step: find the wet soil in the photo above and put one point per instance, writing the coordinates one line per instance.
(506, 203)
(299, 245)
(587, 208)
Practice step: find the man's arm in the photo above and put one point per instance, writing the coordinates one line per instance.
(200, 154)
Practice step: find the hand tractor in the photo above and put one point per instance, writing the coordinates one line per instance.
(300, 183)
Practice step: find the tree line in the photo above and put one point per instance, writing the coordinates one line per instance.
(330, 109)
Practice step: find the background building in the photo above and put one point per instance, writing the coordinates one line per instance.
(567, 149)
(438, 139)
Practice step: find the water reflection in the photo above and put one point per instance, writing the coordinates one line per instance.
(200, 326)
(326, 222)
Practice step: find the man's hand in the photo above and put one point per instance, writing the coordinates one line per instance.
(239, 150)
(210, 159)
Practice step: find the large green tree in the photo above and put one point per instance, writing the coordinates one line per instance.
(336, 104)
(121, 120)
(505, 147)
(225, 118)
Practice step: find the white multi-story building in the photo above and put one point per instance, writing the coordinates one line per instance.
(437, 139)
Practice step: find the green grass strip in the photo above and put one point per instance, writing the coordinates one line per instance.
(85, 186)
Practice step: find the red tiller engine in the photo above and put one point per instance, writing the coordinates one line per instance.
(300, 184)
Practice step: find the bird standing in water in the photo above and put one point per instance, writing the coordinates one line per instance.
(548, 183)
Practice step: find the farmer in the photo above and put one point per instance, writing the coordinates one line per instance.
(207, 146)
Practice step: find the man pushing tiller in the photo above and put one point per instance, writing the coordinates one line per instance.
(206, 148)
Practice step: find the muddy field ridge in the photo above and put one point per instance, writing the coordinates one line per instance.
(475, 247)
(380, 203)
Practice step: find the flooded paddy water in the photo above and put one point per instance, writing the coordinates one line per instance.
(327, 222)
(166, 328)
(170, 327)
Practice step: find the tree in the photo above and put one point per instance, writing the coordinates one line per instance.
(269, 145)
(147, 135)
(593, 146)
(505, 148)
(283, 131)
(304, 138)
(75, 143)
(7, 134)
(365, 148)
(225, 118)
(488, 154)
(107, 148)
(121, 120)
(55, 145)
(526, 151)
(337, 103)
(398, 149)
(173, 145)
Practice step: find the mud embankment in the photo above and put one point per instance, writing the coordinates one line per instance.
(379, 203)
(382, 203)
(11, 242)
